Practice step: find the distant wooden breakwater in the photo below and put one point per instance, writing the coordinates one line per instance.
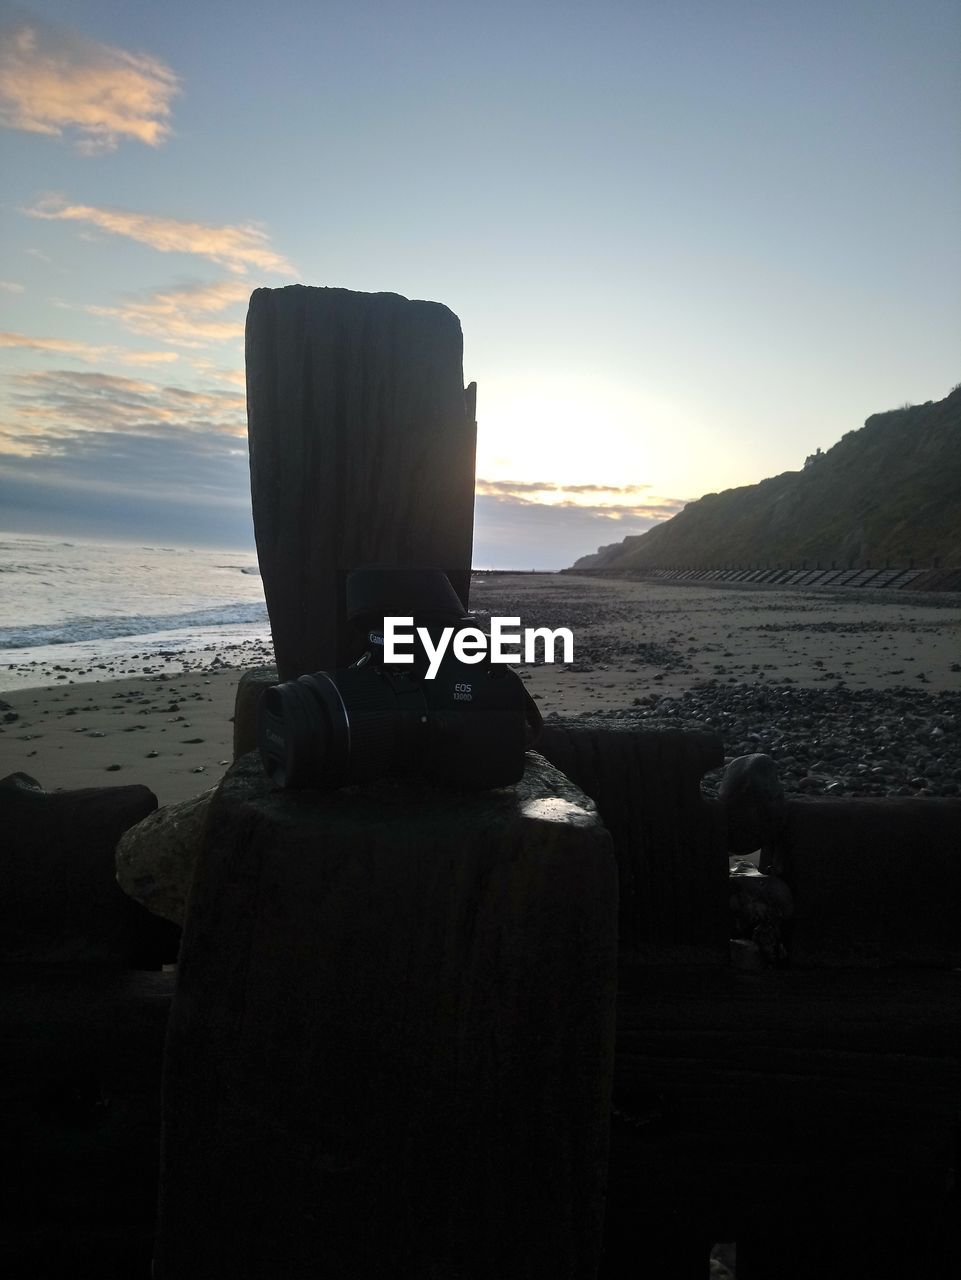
(887, 579)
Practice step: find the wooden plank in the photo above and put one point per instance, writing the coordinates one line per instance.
(361, 452)
(80, 1056)
(669, 842)
(876, 882)
(787, 1107)
(792, 1110)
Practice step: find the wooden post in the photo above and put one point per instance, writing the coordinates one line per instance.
(361, 452)
(392, 1040)
(670, 843)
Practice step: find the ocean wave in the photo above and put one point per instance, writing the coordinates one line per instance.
(38, 568)
(75, 630)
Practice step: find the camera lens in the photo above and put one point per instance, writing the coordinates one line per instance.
(327, 730)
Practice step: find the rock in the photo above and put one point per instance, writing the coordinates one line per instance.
(361, 452)
(758, 898)
(888, 730)
(760, 904)
(391, 1045)
(753, 800)
(155, 858)
(746, 955)
(21, 781)
(59, 900)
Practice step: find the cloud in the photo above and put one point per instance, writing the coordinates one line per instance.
(53, 80)
(549, 494)
(236, 247)
(511, 488)
(514, 534)
(236, 377)
(193, 488)
(84, 350)
(54, 408)
(191, 315)
(603, 488)
(11, 286)
(147, 357)
(113, 455)
(149, 464)
(187, 489)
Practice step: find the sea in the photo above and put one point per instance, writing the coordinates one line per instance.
(77, 610)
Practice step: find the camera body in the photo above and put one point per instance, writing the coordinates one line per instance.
(468, 726)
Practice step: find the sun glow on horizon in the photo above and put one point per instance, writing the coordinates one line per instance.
(573, 440)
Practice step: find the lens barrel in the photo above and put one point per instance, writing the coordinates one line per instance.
(331, 729)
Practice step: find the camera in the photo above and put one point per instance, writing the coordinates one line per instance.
(467, 725)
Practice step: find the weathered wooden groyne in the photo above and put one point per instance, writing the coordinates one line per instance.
(549, 1030)
(786, 1101)
(807, 1110)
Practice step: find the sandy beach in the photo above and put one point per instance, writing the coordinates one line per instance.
(658, 653)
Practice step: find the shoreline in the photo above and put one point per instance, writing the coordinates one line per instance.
(144, 659)
(849, 697)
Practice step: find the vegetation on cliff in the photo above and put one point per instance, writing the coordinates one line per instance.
(888, 493)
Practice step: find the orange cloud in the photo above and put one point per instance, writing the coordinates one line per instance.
(53, 80)
(84, 350)
(235, 247)
(188, 316)
(148, 357)
(237, 377)
(611, 502)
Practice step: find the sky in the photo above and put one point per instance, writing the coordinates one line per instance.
(688, 242)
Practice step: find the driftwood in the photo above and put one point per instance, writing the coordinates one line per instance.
(392, 1036)
(361, 452)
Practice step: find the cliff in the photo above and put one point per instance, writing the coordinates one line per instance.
(890, 492)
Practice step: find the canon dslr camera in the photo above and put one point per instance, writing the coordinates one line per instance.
(469, 726)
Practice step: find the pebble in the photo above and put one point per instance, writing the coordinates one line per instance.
(834, 741)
